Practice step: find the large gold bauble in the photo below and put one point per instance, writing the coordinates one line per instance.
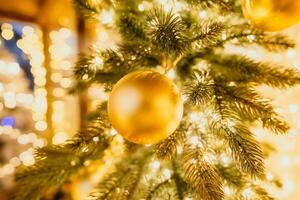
(145, 107)
(272, 15)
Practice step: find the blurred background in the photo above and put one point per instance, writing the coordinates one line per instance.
(39, 43)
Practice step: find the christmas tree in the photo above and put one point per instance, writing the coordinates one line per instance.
(212, 154)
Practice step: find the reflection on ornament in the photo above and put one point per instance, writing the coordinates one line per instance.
(145, 107)
(272, 15)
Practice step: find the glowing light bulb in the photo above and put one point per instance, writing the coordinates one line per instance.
(59, 138)
(39, 143)
(98, 61)
(7, 31)
(141, 7)
(15, 161)
(251, 38)
(41, 125)
(113, 132)
(248, 193)
(166, 173)
(194, 117)
(202, 14)
(23, 139)
(27, 31)
(106, 17)
(195, 142)
(27, 158)
(66, 82)
(225, 160)
(155, 165)
(10, 99)
(8, 169)
(209, 157)
(227, 191)
(58, 92)
(269, 177)
(171, 74)
(96, 139)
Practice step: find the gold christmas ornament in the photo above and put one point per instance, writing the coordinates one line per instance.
(272, 15)
(145, 107)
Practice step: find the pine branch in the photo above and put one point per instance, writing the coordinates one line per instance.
(200, 175)
(241, 142)
(173, 188)
(121, 184)
(88, 8)
(261, 193)
(181, 186)
(139, 54)
(57, 163)
(99, 116)
(167, 148)
(210, 33)
(276, 124)
(167, 189)
(223, 4)
(87, 66)
(275, 43)
(131, 147)
(201, 89)
(184, 66)
(109, 66)
(250, 105)
(131, 28)
(232, 175)
(227, 124)
(167, 32)
(107, 185)
(241, 69)
(244, 149)
(244, 35)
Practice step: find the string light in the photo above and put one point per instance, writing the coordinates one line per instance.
(225, 160)
(166, 174)
(248, 193)
(15, 161)
(113, 132)
(209, 157)
(141, 7)
(171, 74)
(155, 165)
(194, 117)
(59, 138)
(227, 191)
(41, 125)
(27, 157)
(202, 14)
(7, 31)
(269, 177)
(106, 17)
(62, 54)
(31, 45)
(23, 139)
